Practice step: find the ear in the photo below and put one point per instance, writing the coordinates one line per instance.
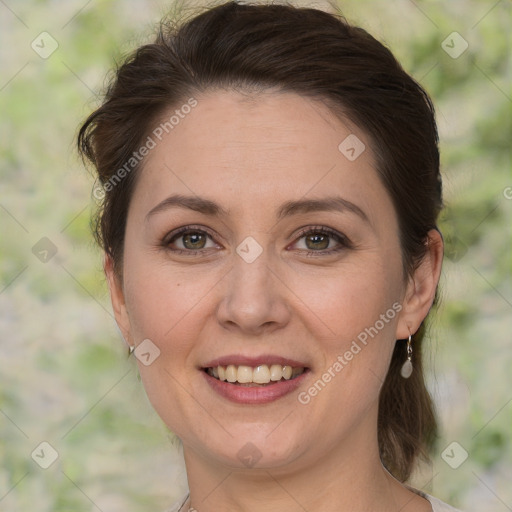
(117, 297)
(421, 287)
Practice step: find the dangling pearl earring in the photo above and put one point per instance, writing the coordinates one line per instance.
(406, 370)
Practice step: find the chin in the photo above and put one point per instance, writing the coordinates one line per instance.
(253, 447)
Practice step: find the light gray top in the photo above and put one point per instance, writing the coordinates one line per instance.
(437, 504)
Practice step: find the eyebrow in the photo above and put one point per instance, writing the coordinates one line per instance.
(287, 209)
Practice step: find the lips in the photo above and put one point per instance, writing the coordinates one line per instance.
(254, 380)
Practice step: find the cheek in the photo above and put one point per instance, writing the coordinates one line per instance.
(353, 314)
(355, 361)
(161, 300)
(167, 306)
(346, 301)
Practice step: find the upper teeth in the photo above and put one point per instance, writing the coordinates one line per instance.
(261, 374)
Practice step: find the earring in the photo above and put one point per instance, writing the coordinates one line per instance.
(131, 349)
(406, 370)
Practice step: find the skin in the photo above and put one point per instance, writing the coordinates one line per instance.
(256, 153)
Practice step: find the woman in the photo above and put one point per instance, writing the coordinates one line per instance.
(270, 184)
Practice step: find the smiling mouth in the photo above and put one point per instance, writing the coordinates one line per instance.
(261, 375)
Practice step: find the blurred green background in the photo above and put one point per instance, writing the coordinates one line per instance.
(65, 377)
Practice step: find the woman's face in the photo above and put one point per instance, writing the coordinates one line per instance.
(247, 286)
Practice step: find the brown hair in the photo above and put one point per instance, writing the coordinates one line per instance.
(312, 53)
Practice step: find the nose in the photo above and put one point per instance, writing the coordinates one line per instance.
(253, 297)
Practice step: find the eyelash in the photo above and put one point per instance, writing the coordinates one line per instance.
(343, 241)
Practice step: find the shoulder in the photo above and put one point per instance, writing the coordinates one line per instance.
(437, 504)
(179, 506)
(440, 506)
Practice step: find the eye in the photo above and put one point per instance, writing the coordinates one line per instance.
(190, 240)
(318, 240)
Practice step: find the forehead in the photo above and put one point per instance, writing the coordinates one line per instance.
(250, 151)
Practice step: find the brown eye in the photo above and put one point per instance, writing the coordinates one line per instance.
(194, 240)
(317, 241)
(188, 241)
